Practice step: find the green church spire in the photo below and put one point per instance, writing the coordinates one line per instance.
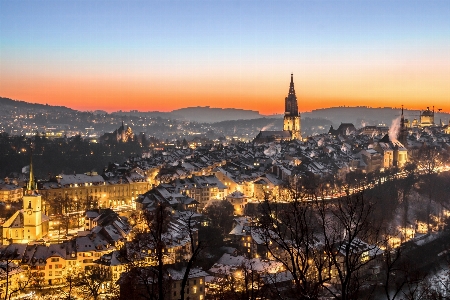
(31, 186)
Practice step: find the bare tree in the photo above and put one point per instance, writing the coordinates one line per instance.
(143, 282)
(288, 230)
(71, 279)
(394, 271)
(429, 159)
(8, 256)
(145, 255)
(351, 242)
(157, 222)
(406, 184)
(93, 282)
(251, 281)
(242, 282)
(196, 248)
(149, 248)
(221, 215)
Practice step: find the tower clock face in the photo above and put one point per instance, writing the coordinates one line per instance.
(29, 212)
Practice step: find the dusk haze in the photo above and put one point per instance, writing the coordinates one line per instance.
(165, 55)
(224, 149)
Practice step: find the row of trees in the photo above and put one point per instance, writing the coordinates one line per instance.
(344, 248)
(62, 155)
(327, 247)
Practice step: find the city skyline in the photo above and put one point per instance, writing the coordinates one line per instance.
(233, 54)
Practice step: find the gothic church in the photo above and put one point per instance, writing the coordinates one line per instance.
(291, 122)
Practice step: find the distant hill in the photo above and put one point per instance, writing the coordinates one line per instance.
(209, 115)
(7, 103)
(150, 114)
(361, 116)
(198, 114)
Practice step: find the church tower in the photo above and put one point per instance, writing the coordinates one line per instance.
(32, 210)
(291, 120)
(28, 224)
(403, 131)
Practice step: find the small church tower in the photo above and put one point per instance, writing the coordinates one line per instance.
(291, 121)
(403, 131)
(28, 224)
(32, 208)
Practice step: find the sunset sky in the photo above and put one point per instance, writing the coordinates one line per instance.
(164, 55)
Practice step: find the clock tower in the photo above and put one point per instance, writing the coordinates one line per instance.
(32, 210)
(28, 224)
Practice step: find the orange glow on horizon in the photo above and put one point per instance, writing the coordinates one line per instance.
(267, 97)
(133, 56)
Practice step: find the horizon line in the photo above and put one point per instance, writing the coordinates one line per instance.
(210, 107)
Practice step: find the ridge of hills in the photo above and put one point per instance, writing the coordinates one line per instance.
(7, 103)
(360, 116)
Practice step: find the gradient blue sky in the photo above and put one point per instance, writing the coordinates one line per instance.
(161, 55)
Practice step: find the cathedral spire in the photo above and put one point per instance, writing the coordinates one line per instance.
(291, 86)
(31, 186)
(291, 106)
(291, 121)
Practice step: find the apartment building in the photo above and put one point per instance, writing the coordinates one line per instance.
(105, 193)
(10, 193)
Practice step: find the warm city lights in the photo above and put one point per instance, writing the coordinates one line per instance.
(209, 150)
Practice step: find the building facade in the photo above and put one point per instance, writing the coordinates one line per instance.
(102, 193)
(10, 193)
(427, 118)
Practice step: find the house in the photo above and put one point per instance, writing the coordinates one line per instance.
(372, 159)
(239, 202)
(249, 238)
(10, 193)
